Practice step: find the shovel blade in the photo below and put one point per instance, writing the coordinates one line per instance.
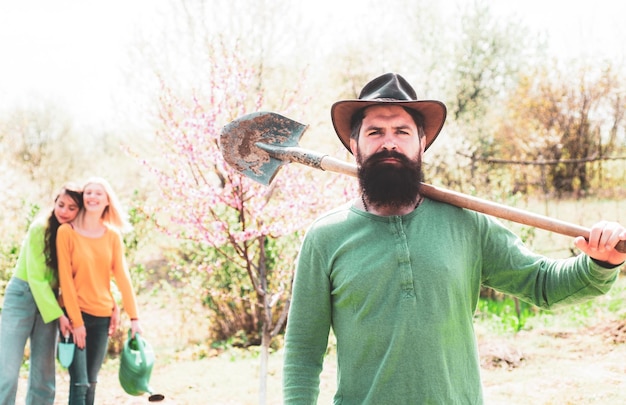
(65, 353)
(239, 138)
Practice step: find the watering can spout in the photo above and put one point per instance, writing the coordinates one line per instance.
(156, 397)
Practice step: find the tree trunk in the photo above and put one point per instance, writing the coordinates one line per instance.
(265, 346)
(266, 319)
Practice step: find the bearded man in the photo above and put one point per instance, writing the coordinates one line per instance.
(397, 276)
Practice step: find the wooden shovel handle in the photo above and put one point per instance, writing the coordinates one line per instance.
(480, 205)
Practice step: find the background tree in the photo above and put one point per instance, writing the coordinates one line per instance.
(240, 221)
(565, 121)
(236, 227)
(480, 57)
(38, 141)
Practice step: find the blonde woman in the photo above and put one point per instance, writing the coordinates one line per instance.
(90, 251)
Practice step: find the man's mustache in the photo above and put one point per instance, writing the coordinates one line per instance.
(386, 154)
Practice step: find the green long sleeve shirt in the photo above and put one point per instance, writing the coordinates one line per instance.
(31, 267)
(400, 293)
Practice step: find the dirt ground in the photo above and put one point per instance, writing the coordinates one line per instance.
(554, 367)
(550, 367)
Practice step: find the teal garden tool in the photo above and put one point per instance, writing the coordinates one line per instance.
(65, 351)
(136, 362)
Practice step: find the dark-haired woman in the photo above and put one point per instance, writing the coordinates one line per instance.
(31, 310)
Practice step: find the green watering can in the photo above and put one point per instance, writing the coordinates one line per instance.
(136, 363)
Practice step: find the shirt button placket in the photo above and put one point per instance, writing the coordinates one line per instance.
(403, 258)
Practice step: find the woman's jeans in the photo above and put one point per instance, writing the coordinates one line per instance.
(20, 319)
(87, 362)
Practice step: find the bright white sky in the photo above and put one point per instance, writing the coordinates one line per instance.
(576, 28)
(70, 51)
(67, 51)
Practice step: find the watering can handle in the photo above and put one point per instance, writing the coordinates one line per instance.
(140, 345)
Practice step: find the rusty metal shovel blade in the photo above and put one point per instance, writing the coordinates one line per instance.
(240, 139)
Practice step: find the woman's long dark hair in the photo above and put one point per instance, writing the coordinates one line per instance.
(50, 236)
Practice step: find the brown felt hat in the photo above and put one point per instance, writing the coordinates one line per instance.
(390, 88)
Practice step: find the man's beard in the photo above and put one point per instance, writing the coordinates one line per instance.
(390, 185)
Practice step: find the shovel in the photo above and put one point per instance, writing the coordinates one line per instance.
(65, 351)
(258, 144)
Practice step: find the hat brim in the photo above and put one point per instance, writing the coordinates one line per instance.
(434, 113)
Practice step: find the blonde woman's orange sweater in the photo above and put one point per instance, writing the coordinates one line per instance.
(86, 266)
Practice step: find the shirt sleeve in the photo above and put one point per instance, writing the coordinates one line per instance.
(69, 295)
(510, 267)
(39, 276)
(307, 328)
(122, 278)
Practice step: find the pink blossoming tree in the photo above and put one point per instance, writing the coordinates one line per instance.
(251, 230)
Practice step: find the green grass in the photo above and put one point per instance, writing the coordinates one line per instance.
(502, 317)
